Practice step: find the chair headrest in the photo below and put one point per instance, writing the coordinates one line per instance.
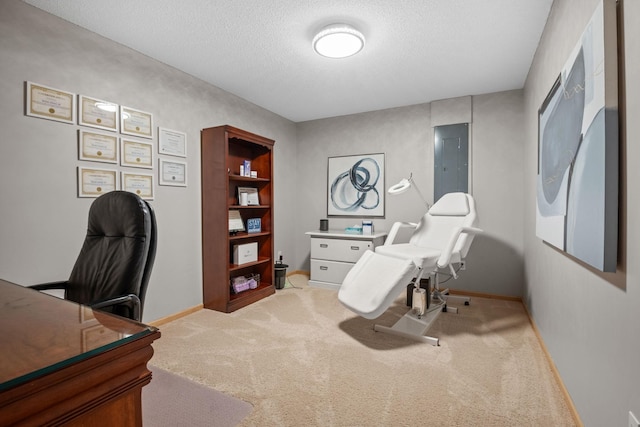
(451, 204)
(119, 214)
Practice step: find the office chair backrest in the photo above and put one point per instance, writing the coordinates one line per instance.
(450, 211)
(118, 252)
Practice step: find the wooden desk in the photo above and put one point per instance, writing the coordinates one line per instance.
(63, 363)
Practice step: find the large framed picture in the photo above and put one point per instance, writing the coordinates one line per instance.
(578, 142)
(355, 186)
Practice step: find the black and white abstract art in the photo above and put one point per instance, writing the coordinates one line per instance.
(577, 182)
(355, 186)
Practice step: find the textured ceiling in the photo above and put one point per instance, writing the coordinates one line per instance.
(416, 51)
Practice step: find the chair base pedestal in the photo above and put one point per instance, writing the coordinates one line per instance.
(414, 327)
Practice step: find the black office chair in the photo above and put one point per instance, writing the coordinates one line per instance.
(115, 262)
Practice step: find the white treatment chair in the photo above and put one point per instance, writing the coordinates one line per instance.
(438, 243)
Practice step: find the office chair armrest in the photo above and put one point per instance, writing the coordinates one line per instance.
(394, 231)
(50, 285)
(132, 301)
(445, 256)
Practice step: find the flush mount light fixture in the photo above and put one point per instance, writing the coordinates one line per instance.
(338, 41)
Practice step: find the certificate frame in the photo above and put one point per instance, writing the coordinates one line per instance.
(252, 195)
(138, 183)
(235, 222)
(136, 122)
(49, 103)
(98, 147)
(172, 142)
(173, 173)
(97, 113)
(94, 182)
(136, 154)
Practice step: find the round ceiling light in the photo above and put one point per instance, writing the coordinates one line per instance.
(338, 41)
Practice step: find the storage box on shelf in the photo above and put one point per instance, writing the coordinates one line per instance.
(223, 150)
(334, 252)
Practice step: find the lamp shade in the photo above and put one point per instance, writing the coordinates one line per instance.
(338, 41)
(400, 187)
(404, 185)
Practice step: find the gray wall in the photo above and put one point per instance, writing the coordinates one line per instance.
(405, 135)
(588, 320)
(43, 222)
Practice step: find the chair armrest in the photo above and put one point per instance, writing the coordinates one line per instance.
(445, 256)
(132, 301)
(50, 285)
(391, 237)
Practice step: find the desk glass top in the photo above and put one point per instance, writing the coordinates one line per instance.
(40, 333)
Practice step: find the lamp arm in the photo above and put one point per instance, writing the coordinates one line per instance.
(413, 183)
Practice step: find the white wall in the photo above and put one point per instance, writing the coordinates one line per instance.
(43, 222)
(588, 320)
(405, 135)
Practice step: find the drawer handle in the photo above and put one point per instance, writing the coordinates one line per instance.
(355, 248)
(324, 267)
(324, 245)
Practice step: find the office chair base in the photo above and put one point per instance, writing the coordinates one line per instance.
(414, 327)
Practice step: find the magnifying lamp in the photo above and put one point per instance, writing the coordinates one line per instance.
(404, 185)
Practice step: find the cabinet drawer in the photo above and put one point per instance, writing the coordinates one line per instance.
(329, 271)
(339, 249)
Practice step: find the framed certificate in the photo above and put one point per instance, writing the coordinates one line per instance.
(137, 154)
(172, 142)
(97, 147)
(98, 113)
(138, 183)
(173, 173)
(235, 222)
(96, 182)
(48, 103)
(252, 195)
(136, 122)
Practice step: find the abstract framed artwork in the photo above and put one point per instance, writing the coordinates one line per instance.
(577, 182)
(355, 186)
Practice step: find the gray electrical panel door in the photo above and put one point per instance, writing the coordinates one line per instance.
(451, 159)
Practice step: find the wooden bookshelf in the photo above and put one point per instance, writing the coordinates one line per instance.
(223, 150)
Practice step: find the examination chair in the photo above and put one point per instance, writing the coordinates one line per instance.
(113, 268)
(438, 244)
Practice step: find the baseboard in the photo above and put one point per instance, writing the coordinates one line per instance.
(484, 295)
(306, 273)
(556, 374)
(176, 316)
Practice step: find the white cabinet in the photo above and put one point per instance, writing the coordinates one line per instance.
(334, 252)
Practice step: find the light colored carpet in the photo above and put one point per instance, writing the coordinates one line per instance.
(302, 359)
(174, 401)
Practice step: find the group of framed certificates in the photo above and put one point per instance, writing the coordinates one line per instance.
(104, 147)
